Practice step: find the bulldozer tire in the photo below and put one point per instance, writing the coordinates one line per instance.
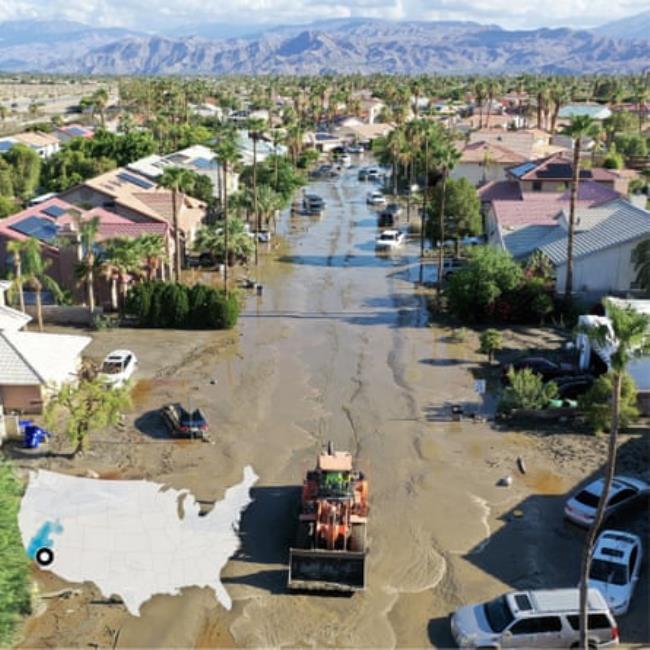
(302, 536)
(358, 538)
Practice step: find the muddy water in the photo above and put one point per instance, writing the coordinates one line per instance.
(336, 348)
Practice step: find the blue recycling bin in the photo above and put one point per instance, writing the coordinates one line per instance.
(34, 436)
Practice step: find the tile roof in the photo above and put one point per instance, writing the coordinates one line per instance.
(500, 191)
(476, 152)
(14, 369)
(625, 223)
(523, 241)
(12, 319)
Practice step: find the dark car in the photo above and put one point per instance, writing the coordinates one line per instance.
(385, 219)
(363, 174)
(181, 422)
(394, 208)
(540, 365)
(573, 389)
(312, 204)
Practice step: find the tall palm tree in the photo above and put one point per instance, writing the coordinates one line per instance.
(629, 337)
(34, 275)
(479, 93)
(16, 248)
(177, 180)
(87, 235)
(559, 95)
(493, 90)
(268, 202)
(227, 154)
(579, 127)
(99, 101)
(445, 156)
(255, 131)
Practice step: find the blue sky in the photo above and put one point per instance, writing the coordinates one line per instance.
(167, 14)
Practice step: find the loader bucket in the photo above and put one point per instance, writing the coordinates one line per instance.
(318, 570)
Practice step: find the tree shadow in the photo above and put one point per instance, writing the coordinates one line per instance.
(445, 362)
(152, 424)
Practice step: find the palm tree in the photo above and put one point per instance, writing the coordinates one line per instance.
(16, 248)
(228, 154)
(34, 275)
(629, 336)
(120, 259)
(151, 250)
(493, 90)
(580, 126)
(216, 239)
(87, 235)
(176, 179)
(255, 130)
(479, 92)
(268, 202)
(446, 156)
(99, 100)
(559, 95)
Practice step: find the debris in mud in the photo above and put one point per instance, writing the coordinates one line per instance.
(505, 481)
(521, 465)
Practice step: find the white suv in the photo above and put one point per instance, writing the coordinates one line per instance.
(534, 619)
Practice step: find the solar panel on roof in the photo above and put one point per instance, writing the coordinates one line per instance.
(203, 163)
(37, 227)
(5, 145)
(53, 211)
(522, 169)
(140, 182)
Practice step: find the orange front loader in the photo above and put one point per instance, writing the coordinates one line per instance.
(330, 551)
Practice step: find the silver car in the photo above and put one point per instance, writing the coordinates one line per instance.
(534, 619)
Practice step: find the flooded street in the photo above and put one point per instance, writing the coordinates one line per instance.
(338, 348)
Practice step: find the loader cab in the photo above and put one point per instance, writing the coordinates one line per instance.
(335, 474)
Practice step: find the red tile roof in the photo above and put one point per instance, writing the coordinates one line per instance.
(476, 152)
(500, 191)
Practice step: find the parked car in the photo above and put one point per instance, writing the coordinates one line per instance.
(118, 367)
(395, 209)
(615, 568)
(345, 160)
(182, 422)
(355, 148)
(574, 387)
(374, 174)
(385, 219)
(534, 619)
(362, 175)
(581, 507)
(451, 265)
(312, 203)
(389, 239)
(375, 198)
(542, 366)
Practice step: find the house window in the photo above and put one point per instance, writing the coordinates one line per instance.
(537, 186)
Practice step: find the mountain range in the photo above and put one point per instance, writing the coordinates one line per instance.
(360, 45)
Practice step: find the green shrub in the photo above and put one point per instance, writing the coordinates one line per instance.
(596, 403)
(172, 305)
(526, 390)
(491, 341)
(15, 601)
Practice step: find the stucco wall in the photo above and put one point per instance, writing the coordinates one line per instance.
(26, 399)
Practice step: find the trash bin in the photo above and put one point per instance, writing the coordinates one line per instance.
(33, 436)
(456, 412)
(259, 289)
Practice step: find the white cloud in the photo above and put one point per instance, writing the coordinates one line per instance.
(147, 15)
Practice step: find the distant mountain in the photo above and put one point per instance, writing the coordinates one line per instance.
(340, 45)
(217, 31)
(47, 44)
(368, 46)
(633, 27)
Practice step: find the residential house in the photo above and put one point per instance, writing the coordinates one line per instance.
(264, 148)
(53, 223)
(483, 161)
(371, 108)
(322, 141)
(139, 200)
(363, 133)
(44, 144)
(595, 111)
(70, 131)
(198, 158)
(517, 221)
(604, 239)
(554, 174)
(33, 365)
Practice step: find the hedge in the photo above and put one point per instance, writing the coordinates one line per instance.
(15, 601)
(177, 306)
